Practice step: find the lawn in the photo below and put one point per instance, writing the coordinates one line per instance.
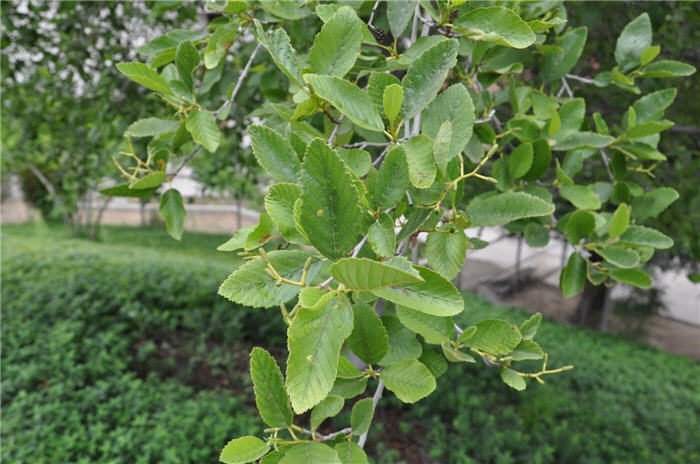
(121, 352)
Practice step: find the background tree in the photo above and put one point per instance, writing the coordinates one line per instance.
(64, 109)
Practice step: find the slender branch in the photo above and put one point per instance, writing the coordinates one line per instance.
(371, 16)
(380, 157)
(359, 246)
(414, 28)
(330, 436)
(187, 159)
(565, 84)
(244, 73)
(487, 118)
(367, 144)
(606, 162)
(375, 400)
(52, 191)
(585, 80)
(331, 139)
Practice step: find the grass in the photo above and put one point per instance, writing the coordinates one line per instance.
(121, 351)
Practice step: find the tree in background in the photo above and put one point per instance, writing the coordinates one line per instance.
(64, 109)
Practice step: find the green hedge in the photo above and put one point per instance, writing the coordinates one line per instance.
(126, 355)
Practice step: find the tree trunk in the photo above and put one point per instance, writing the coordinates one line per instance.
(591, 307)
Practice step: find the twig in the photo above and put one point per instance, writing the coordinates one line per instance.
(244, 73)
(371, 16)
(565, 84)
(187, 159)
(606, 162)
(585, 80)
(487, 118)
(381, 156)
(375, 400)
(330, 436)
(414, 28)
(367, 144)
(331, 139)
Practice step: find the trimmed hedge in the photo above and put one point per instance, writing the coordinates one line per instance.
(127, 355)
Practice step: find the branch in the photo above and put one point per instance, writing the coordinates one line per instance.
(487, 118)
(236, 89)
(585, 80)
(375, 400)
(606, 162)
(367, 144)
(330, 436)
(331, 139)
(565, 86)
(371, 16)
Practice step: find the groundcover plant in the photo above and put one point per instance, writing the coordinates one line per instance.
(387, 120)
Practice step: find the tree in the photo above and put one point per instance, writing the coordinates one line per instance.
(64, 110)
(394, 117)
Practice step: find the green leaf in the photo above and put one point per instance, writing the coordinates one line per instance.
(359, 161)
(527, 349)
(453, 105)
(392, 179)
(361, 416)
(635, 277)
(280, 48)
(619, 221)
(349, 99)
(363, 274)
(634, 39)
(125, 190)
(541, 157)
(648, 128)
(667, 68)
(573, 276)
(536, 235)
(262, 233)
(528, 329)
(268, 385)
(149, 127)
(557, 65)
(512, 379)
(382, 237)
(584, 140)
(173, 212)
(580, 196)
(145, 76)
(279, 204)
(314, 298)
(649, 54)
(243, 450)
(392, 99)
(435, 363)
(500, 209)
(240, 237)
(446, 252)
(436, 295)
(351, 453)
(452, 354)
(580, 224)
(409, 380)
(651, 106)
(274, 154)
(520, 160)
(349, 381)
(312, 452)
(403, 343)
(620, 256)
(251, 285)
(368, 340)
(434, 329)
(421, 166)
(202, 126)
(149, 181)
(337, 46)
(441, 148)
(496, 24)
(378, 81)
(494, 336)
(314, 341)
(330, 406)
(426, 76)
(331, 216)
(399, 14)
(653, 203)
(186, 60)
(169, 41)
(645, 236)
